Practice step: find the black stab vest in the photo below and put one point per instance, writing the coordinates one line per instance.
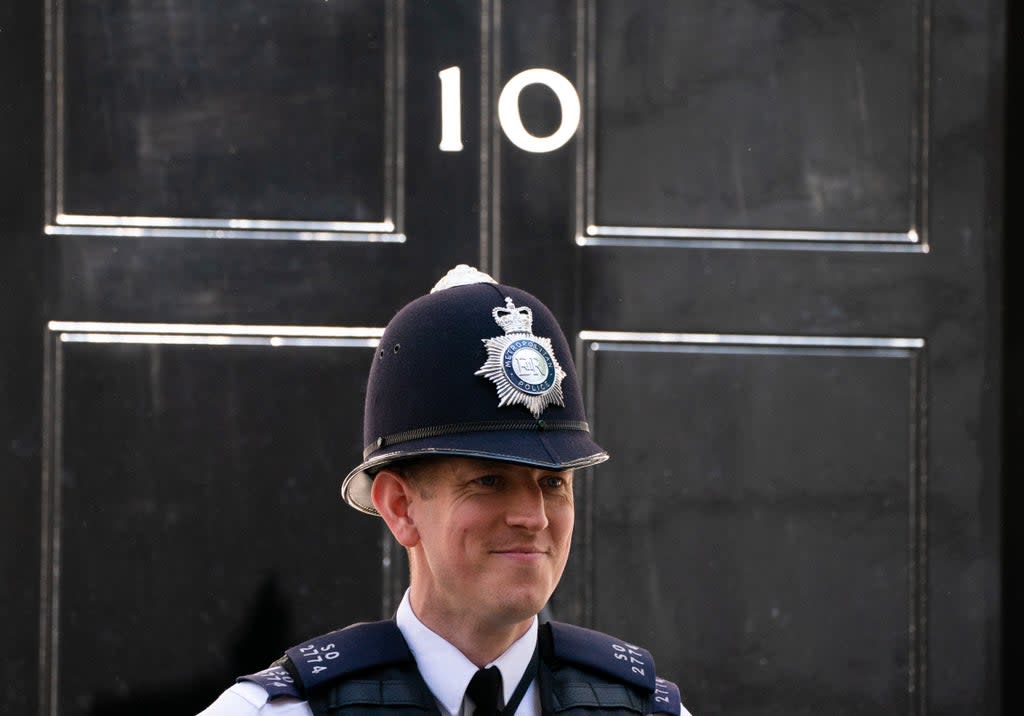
(367, 670)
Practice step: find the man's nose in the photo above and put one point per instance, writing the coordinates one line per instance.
(526, 508)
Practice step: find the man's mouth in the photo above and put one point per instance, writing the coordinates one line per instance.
(522, 552)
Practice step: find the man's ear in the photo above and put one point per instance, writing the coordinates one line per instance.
(391, 494)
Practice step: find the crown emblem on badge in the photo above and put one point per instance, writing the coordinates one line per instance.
(512, 319)
(522, 365)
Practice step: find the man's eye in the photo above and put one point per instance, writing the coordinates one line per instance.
(487, 481)
(553, 483)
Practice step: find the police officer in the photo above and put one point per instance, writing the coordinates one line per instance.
(473, 426)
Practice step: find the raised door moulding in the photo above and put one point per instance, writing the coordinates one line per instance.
(591, 343)
(60, 333)
(390, 229)
(590, 233)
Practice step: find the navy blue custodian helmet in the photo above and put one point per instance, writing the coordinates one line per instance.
(476, 369)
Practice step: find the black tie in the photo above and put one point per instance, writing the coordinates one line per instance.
(483, 689)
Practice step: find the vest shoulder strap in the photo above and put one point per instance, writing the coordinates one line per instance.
(618, 661)
(332, 656)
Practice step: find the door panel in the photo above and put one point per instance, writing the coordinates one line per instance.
(774, 241)
(754, 116)
(771, 487)
(167, 113)
(189, 490)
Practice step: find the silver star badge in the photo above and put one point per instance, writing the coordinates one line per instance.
(522, 365)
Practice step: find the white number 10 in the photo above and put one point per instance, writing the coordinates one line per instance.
(508, 110)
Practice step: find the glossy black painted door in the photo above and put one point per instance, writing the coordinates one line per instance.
(771, 238)
(784, 253)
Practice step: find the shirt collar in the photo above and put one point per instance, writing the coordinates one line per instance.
(447, 671)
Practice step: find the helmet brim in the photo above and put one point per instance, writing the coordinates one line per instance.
(555, 450)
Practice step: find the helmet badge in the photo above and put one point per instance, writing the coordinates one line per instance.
(522, 365)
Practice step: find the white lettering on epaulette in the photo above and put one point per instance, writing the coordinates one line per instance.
(278, 678)
(660, 692)
(315, 657)
(631, 654)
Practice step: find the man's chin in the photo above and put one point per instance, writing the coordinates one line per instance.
(517, 607)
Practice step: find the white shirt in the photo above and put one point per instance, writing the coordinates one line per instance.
(445, 669)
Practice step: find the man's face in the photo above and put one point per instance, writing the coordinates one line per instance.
(494, 539)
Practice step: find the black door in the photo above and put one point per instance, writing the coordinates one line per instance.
(774, 237)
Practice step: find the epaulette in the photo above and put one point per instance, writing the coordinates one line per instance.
(327, 657)
(666, 699)
(275, 680)
(617, 659)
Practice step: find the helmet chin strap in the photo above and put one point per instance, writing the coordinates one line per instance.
(474, 427)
